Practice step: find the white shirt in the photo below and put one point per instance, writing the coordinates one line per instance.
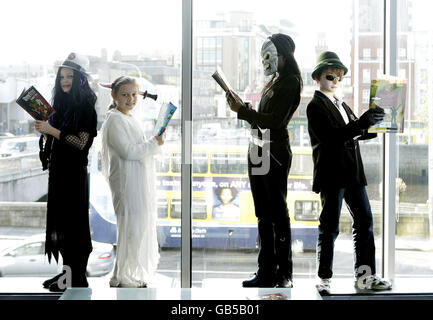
(337, 102)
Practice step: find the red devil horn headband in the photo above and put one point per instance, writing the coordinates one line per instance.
(145, 94)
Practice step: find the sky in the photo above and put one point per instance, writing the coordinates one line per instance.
(44, 31)
(48, 30)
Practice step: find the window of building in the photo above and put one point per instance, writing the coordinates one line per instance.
(366, 76)
(365, 96)
(366, 53)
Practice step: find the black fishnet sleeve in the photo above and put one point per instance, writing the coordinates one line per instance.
(79, 141)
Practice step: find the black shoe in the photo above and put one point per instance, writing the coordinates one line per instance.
(47, 283)
(54, 287)
(284, 282)
(259, 282)
(80, 284)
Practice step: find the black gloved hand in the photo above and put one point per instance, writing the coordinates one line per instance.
(371, 117)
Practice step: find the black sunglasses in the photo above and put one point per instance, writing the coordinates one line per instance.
(330, 77)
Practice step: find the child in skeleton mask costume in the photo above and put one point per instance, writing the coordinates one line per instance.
(270, 157)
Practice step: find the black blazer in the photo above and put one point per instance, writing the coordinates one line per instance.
(336, 156)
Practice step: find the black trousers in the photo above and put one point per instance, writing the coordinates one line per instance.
(269, 193)
(359, 207)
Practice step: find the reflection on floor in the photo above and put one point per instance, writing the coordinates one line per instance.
(214, 289)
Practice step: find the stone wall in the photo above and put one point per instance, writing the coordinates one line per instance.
(412, 222)
(23, 214)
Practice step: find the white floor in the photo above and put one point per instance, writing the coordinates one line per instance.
(217, 289)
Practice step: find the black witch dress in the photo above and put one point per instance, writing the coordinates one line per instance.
(67, 228)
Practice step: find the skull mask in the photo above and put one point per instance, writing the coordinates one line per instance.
(269, 58)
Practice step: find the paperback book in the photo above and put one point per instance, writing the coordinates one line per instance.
(221, 79)
(389, 94)
(35, 104)
(165, 114)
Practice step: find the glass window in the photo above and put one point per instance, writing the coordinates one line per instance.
(307, 210)
(162, 163)
(242, 34)
(302, 164)
(366, 52)
(162, 204)
(199, 208)
(114, 51)
(414, 184)
(199, 162)
(380, 53)
(366, 76)
(30, 249)
(366, 96)
(232, 163)
(176, 162)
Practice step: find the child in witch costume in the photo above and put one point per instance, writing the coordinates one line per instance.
(339, 173)
(68, 135)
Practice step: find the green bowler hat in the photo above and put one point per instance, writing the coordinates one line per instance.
(328, 59)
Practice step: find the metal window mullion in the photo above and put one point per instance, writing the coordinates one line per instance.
(186, 165)
(389, 148)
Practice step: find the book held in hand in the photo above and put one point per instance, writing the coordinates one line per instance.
(165, 114)
(221, 79)
(35, 104)
(389, 94)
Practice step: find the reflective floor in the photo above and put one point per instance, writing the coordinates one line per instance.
(215, 289)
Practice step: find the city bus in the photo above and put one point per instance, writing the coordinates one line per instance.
(415, 132)
(222, 206)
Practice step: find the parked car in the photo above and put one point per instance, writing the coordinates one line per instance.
(16, 146)
(27, 258)
(4, 134)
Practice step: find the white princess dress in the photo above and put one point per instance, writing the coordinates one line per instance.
(128, 164)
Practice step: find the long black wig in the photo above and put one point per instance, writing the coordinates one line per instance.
(80, 94)
(65, 104)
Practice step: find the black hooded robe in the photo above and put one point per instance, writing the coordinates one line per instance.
(67, 227)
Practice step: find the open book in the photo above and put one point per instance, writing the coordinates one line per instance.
(389, 94)
(35, 104)
(165, 114)
(221, 79)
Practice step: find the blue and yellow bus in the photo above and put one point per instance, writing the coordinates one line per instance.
(222, 205)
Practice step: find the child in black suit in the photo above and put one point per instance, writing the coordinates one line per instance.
(339, 174)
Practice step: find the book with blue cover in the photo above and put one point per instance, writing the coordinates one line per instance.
(165, 114)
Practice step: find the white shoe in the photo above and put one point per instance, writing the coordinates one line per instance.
(324, 286)
(372, 283)
(114, 283)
